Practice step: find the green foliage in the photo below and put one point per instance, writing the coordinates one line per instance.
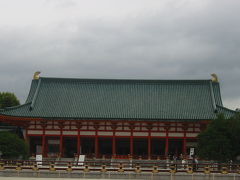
(8, 99)
(221, 140)
(13, 147)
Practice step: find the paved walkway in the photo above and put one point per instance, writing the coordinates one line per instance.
(34, 178)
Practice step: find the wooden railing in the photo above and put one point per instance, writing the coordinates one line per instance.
(138, 166)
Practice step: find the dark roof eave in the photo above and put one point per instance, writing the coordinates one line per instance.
(230, 110)
(117, 119)
(13, 107)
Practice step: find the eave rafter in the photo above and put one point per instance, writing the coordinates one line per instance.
(132, 124)
(17, 121)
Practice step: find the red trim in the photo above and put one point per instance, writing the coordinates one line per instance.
(170, 138)
(116, 130)
(153, 137)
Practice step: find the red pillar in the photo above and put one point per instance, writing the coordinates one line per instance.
(114, 145)
(27, 139)
(96, 146)
(166, 146)
(167, 127)
(43, 145)
(184, 146)
(131, 143)
(43, 142)
(78, 143)
(114, 127)
(149, 145)
(61, 143)
(79, 126)
(96, 126)
(185, 143)
(25, 135)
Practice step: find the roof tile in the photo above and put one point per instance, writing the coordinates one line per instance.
(121, 99)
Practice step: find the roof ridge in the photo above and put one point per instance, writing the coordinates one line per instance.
(126, 80)
(213, 97)
(35, 95)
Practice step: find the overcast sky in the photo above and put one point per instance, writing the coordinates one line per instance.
(143, 39)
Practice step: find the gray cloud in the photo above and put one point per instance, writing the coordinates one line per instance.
(179, 41)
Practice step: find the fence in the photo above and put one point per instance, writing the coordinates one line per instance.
(136, 166)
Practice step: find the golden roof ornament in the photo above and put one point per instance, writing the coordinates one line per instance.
(214, 77)
(36, 75)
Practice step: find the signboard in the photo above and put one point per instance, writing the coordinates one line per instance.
(39, 159)
(191, 152)
(81, 159)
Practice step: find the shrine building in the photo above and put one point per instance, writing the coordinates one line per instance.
(115, 117)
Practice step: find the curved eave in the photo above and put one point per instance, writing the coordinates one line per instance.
(26, 118)
(22, 112)
(13, 107)
(17, 118)
(228, 113)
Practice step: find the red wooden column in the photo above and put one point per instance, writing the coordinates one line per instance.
(114, 145)
(96, 126)
(167, 127)
(114, 127)
(96, 145)
(79, 126)
(166, 146)
(61, 126)
(78, 143)
(184, 148)
(131, 144)
(43, 144)
(61, 143)
(25, 133)
(44, 125)
(131, 126)
(149, 127)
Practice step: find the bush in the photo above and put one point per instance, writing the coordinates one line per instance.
(13, 147)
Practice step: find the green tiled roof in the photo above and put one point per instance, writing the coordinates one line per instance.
(228, 113)
(122, 99)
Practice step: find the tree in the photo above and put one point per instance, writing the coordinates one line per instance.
(221, 140)
(12, 146)
(8, 99)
